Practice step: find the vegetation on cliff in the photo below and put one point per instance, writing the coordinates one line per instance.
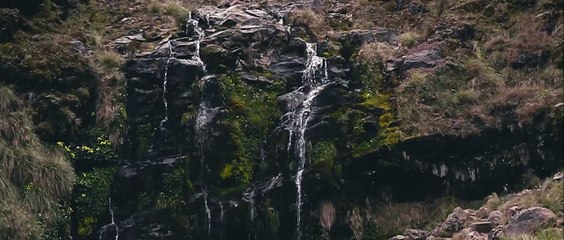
(412, 74)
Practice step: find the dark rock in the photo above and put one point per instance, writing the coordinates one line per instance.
(482, 227)
(291, 101)
(288, 68)
(10, 22)
(417, 8)
(359, 37)
(422, 59)
(149, 225)
(253, 77)
(142, 176)
(529, 220)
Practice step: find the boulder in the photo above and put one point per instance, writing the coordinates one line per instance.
(415, 234)
(529, 220)
(483, 212)
(453, 224)
(427, 58)
(495, 217)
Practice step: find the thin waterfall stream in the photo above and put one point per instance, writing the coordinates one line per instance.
(112, 223)
(314, 80)
(204, 116)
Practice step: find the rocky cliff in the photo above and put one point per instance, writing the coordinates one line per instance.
(296, 120)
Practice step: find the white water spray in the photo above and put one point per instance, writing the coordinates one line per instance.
(112, 223)
(315, 80)
(205, 113)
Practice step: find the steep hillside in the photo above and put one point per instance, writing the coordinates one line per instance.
(280, 119)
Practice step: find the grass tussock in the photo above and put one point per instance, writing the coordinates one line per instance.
(312, 21)
(410, 39)
(32, 178)
(178, 10)
(376, 53)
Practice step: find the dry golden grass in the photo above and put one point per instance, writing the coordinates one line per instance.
(306, 17)
(32, 178)
(409, 39)
(549, 195)
(376, 53)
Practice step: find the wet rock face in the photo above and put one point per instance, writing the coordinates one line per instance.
(176, 102)
(187, 175)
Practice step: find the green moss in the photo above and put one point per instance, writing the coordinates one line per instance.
(145, 137)
(333, 49)
(227, 172)
(252, 113)
(170, 195)
(323, 156)
(375, 114)
(86, 226)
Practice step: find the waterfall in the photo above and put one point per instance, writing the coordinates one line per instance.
(205, 112)
(165, 90)
(208, 213)
(221, 218)
(252, 213)
(112, 223)
(165, 83)
(193, 25)
(314, 80)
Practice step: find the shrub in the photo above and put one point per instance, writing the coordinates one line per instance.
(109, 61)
(409, 39)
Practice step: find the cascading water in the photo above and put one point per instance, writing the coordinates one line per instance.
(208, 213)
(165, 90)
(205, 113)
(165, 83)
(221, 218)
(193, 25)
(112, 223)
(252, 212)
(315, 80)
